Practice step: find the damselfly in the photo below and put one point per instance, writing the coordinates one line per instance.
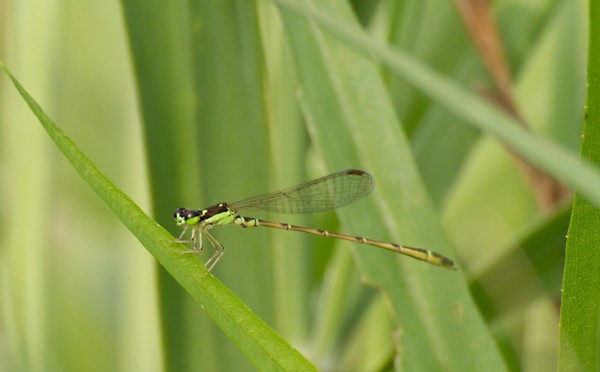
(330, 192)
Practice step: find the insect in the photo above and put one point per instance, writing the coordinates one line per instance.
(330, 192)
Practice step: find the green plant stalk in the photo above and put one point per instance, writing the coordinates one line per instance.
(263, 347)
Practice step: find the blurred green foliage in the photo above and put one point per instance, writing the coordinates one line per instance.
(192, 103)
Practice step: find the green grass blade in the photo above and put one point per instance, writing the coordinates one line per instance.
(353, 124)
(580, 308)
(259, 342)
(163, 67)
(287, 146)
(234, 148)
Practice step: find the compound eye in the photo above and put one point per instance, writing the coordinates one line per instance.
(180, 213)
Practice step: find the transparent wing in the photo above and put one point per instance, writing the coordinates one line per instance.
(333, 191)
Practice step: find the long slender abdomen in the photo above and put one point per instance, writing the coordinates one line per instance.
(418, 253)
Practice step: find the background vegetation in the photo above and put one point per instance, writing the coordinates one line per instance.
(191, 103)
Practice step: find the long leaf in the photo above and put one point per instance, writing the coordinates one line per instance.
(352, 122)
(259, 342)
(580, 306)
